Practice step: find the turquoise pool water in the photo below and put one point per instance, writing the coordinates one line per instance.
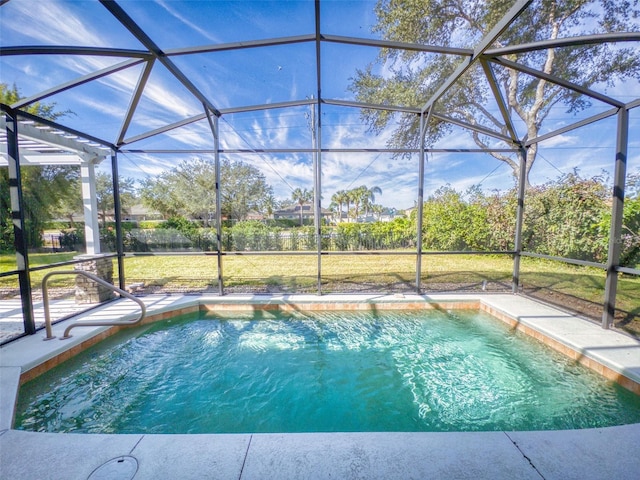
(322, 372)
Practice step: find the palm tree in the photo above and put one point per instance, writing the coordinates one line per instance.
(354, 197)
(270, 204)
(369, 197)
(377, 210)
(301, 196)
(336, 200)
(341, 197)
(335, 210)
(360, 197)
(347, 200)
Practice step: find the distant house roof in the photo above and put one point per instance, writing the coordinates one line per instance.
(253, 215)
(294, 212)
(140, 209)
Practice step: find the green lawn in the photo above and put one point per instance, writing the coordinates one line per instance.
(8, 261)
(579, 288)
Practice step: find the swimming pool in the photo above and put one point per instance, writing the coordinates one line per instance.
(322, 372)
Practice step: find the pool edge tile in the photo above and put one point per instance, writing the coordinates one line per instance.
(9, 384)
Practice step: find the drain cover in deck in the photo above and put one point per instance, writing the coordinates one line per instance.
(120, 468)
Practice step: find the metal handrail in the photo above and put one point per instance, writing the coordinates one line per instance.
(104, 323)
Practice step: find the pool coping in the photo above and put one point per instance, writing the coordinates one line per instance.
(614, 355)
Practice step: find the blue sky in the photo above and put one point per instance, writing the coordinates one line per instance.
(261, 76)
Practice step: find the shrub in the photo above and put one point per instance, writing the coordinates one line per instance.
(149, 224)
(72, 240)
(181, 224)
(254, 235)
(563, 218)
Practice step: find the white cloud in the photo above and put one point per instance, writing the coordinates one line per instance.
(560, 140)
(51, 23)
(457, 139)
(106, 109)
(141, 165)
(195, 137)
(176, 14)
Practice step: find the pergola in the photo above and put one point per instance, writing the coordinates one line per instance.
(42, 145)
(29, 140)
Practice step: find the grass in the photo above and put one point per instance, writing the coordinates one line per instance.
(8, 263)
(581, 289)
(575, 287)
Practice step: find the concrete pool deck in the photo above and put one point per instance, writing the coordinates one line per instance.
(582, 454)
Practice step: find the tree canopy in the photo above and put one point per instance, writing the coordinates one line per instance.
(301, 196)
(104, 194)
(10, 95)
(404, 77)
(361, 197)
(189, 190)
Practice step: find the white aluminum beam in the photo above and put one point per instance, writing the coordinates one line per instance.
(40, 160)
(90, 207)
(58, 139)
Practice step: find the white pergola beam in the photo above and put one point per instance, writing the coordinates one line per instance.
(90, 207)
(56, 139)
(42, 159)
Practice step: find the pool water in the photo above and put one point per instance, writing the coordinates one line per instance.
(322, 372)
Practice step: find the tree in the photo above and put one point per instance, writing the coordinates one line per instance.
(42, 189)
(11, 95)
(347, 201)
(335, 212)
(451, 223)
(411, 77)
(368, 197)
(340, 198)
(189, 190)
(301, 196)
(377, 210)
(354, 199)
(270, 204)
(359, 198)
(364, 197)
(104, 194)
(69, 203)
